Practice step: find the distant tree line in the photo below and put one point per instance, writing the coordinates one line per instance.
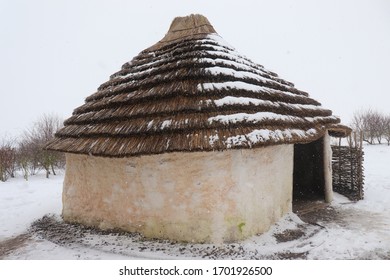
(27, 155)
(374, 125)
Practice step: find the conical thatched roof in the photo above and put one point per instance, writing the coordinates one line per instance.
(191, 92)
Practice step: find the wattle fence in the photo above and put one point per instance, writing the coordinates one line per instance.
(348, 170)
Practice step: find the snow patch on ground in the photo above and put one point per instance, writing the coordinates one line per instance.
(22, 202)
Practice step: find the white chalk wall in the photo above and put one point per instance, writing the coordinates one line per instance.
(196, 197)
(327, 152)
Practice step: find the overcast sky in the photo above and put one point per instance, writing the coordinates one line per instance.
(53, 54)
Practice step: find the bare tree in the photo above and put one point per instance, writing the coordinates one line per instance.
(372, 123)
(361, 122)
(377, 125)
(7, 160)
(37, 137)
(387, 129)
(26, 158)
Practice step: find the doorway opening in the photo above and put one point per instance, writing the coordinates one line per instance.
(308, 174)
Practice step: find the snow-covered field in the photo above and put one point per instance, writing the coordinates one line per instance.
(347, 231)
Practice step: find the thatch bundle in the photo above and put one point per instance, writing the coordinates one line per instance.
(339, 130)
(191, 92)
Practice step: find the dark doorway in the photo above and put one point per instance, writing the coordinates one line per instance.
(308, 180)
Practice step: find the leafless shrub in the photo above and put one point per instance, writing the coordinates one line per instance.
(26, 159)
(28, 154)
(387, 129)
(7, 160)
(33, 154)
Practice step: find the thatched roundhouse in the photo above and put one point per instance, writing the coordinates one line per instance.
(192, 141)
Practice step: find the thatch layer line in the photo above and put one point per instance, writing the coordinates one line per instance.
(193, 104)
(192, 64)
(188, 45)
(187, 88)
(184, 71)
(199, 52)
(189, 122)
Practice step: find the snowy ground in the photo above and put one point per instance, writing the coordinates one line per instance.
(342, 231)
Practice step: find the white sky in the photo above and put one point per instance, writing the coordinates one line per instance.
(53, 54)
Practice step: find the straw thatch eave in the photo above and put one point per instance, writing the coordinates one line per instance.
(339, 130)
(194, 141)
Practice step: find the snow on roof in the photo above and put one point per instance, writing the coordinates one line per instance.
(191, 91)
(265, 135)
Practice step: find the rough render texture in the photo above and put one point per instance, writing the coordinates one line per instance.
(197, 197)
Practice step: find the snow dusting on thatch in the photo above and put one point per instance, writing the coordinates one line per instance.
(192, 92)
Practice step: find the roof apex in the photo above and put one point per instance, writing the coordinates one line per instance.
(191, 22)
(191, 25)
